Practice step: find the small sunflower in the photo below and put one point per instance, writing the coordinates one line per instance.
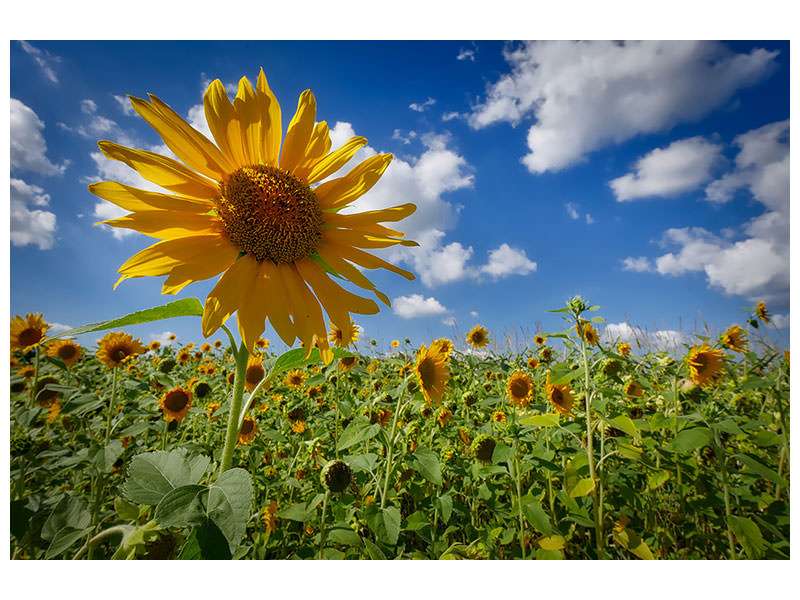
(298, 426)
(762, 312)
(315, 392)
(269, 518)
(540, 340)
(444, 416)
(231, 377)
(342, 338)
(248, 431)
(432, 372)
(176, 403)
(478, 337)
(154, 345)
(172, 337)
(211, 370)
(443, 346)
(632, 388)
(520, 389)
(27, 371)
(205, 347)
(587, 332)
(483, 447)
(295, 379)
(116, 348)
(624, 349)
(546, 354)
(254, 373)
(381, 416)
(395, 343)
(53, 412)
(735, 338)
(499, 416)
(217, 343)
(347, 362)
(533, 363)
(705, 364)
(211, 409)
(561, 396)
(27, 332)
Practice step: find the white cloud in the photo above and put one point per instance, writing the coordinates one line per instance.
(406, 139)
(416, 306)
(586, 95)
(473, 314)
(124, 105)
(571, 211)
(58, 328)
(589, 219)
(421, 106)
(681, 167)
(780, 321)
(663, 339)
(162, 337)
(28, 147)
(449, 321)
(466, 54)
(31, 225)
(196, 117)
(640, 264)
(449, 116)
(44, 59)
(505, 261)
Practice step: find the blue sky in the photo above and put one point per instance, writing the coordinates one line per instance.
(651, 178)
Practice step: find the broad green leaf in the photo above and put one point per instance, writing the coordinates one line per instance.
(582, 487)
(296, 512)
(535, 514)
(552, 543)
(230, 499)
(153, 474)
(63, 539)
(426, 463)
(766, 438)
(103, 458)
(759, 469)
(728, 426)
(127, 511)
(359, 430)
(82, 404)
(384, 522)
(70, 513)
(502, 453)
(391, 521)
(134, 430)
(187, 307)
(445, 502)
(417, 520)
(362, 462)
(562, 377)
(374, 551)
(206, 542)
(546, 420)
(655, 479)
(748, 535)
(691, 439)
(625, 424)
(180, 507)
(634, 544)
(344, 536)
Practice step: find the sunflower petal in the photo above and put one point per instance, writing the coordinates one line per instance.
(224, 299)
(352, 237)
(163, 171)
(135, 199)
(211, 265)
(344, 190)
(370, 217)
(162, 257)
(246, 106)
(222, 121)
(348, 271)
(305, 307)
(271, 127)
(367, 260)
(335, 160)
(299, 132)
(276, 298)
(338, 302)
(318, 147)
(166, 225)
(251, 313)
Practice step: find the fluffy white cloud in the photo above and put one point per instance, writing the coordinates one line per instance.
(31, 225)
(28, 147)
(505, 261)
(780, 321)
(640, 264)
(466, 54)
(473, 314)
(44, 59)
(124, 105)
(416, 306)
(406, 139)
(681, 167)
(449, 321)
(572, 211)
(421, 106)
(663, 339)
(449, 116)
(58, 328)
(585, 95)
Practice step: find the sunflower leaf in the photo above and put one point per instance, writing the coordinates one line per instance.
(180, 507)
(206, 542)
(748, 535)
(230, 500)
(154, 474)
(359, 430)
(688, 440)
(426, 463)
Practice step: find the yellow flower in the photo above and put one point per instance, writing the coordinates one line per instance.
(211, 409)
(632, 388)
(116, 348)
(546, 354)
(560, 396)
(298, 426)
(184, 356)
(246, 208)
(205, 347)
(705, 364)
(444, 416)
(254, 373)
(262, 343)
(624, 349)
(217, 343)
(342, 338)
(176, 403)
(432, 372)
(762, 312)
(28, 332)
(53, 412)
(587, 332)
(347, 362)
(248, 431)
(443, 346)
(478, 337)
(172, 337)
(269, 518)
(735, 338)
(499, 416)
(395, 343)
(520, 389)
(27, 371)
(533, 363)
(540, 340)
(295, 379)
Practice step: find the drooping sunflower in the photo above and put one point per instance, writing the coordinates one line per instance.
(343, 338)
(67, 350)
(478, 337)
(520, 389)
(116, 348)
(560, 396)
(269, 518)
(632, 388)
(176, 403)
(624, 349)
(705, 364)
(254, 373)
(432, 372)
(248, 431)
(246, 208)
(735, 338)
(546, 354)
(295, 379)
(762, 312)
(587, 332)
(444, 416)
(27, 332)
(347, 362)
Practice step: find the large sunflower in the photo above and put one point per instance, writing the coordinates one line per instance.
(735, 338)
(432, 372)
(246, 208)
(520, 389)
(26, 333)
(176, 403)
(560, 395)
(705, 364)
(115, 348)
(67, 350)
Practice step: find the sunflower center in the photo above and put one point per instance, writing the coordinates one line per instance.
(255, 373)
(247, 427)
(67, 352)
(427, 372)
(519, 388)
(118, 354)
(30, 336)
(700, 362)
(270, 214)
(556, 396)
(176, 400)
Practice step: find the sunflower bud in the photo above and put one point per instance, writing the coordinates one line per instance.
(576, 305)
(336, 476)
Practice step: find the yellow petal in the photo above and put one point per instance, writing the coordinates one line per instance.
(352, 237)
(222, 122)
(299, 132)
(276, 298)
(271, 127)
(246, 106)
(226, 296)
(135, 199)
(370, 217)
(335, 160)
(367, 260)
(163, 171)
(338, 302)
(348, 271)
(344, 190)
(212, 264)
(188, 144)
(318, 147)
(305, 308)
(162, 257)
(251, 313)
(167, 225)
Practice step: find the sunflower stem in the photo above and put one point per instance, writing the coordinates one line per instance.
(322, 524)
(35, 377)
(519, 498)
(111, 405)
(390, 449)
(232, 431)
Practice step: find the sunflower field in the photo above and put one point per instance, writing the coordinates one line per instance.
(569, 449)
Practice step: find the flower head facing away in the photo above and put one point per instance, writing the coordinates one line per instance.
(258, 208)
(705, 364)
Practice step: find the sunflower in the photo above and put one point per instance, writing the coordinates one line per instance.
(262, 343)
(395, 343)
(211, 369)
(540, 340)
(154, 345)
(342, 338)
(533, 363)
(444, 416)
(176, 403)
(254, 373)
(632, 388)
(231, 377)
(735, 338)
(347, 362)
(587, 332)
(53, 412)
(248, 431)
(245, 208)
(184, 356)
(26, 333)
(211, 409)
(546, 354)
(45, 397)
(478, 337)
(172, 337)
(298, 426)
(560, 396)
(432, 372)
(217, 343)
(269, 518)
(205, 347)
(27, 371)
(762, 312)
(705, 364)
(382, 416)
(499, 416)
(624, 349)
(443, 346)
(520, 390)
(116, 348)
(295, 379)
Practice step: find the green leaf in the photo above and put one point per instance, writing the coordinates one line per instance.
(391, 521)
(547, 420)
(748, 535)
(296, 358)
(582, 487)
(206, 542)
(344, 536)
(759, 469)
(502, 453)
(63, 539)
(728, 426)
(362, 462)
(535, 514)
(359, 430)
(180, 507)
(562, 377)
(19, 518)
(629, 540)
(626, 425)
(766, 438)
(296, 512)
(187, 307)
(384, 522)
(374, 551)
(230, 499)
(426, 463)
(445, 502)
(103, 458)
(416, 521)
(69, 513)
(691, 439)
(655, 479)
(82, 404)
(153, 474)
(126, 511)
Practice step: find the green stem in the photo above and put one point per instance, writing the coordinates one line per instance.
(111, 405)
(720, 452)
(322, 524)
(519, 499)
(232, 431)
(35, 378)
(598, 526)
(389, 451)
